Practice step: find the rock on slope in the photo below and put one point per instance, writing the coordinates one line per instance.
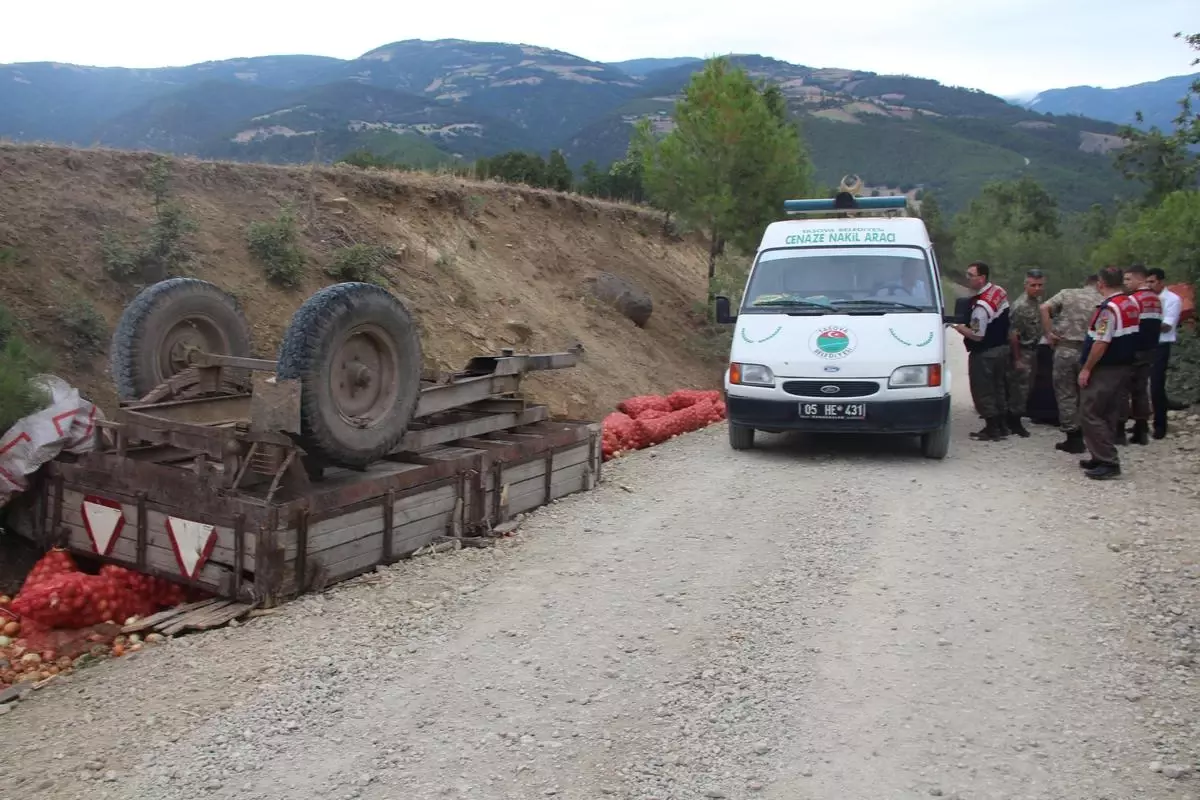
(486, 265)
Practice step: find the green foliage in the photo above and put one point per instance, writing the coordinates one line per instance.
(1166, 236)
(19, 365)
(275, 246)
(939, 230)
(1183, 373)
(729, 163)
(1165, 162)
(359, 262)
(85, 329)
(558, 175)
(162, 251)
(1015, 225)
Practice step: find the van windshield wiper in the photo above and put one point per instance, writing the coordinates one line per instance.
(790, 302)
(870, 302)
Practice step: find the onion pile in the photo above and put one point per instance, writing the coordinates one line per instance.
(62, 613)
(647, 420)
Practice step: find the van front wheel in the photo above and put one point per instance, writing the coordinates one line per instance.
(741, 437)
(936, 444)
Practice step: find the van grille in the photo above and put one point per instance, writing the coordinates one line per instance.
(845, 388)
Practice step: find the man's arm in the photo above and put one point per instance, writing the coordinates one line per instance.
(979, 317)
(1172, 307)
(1051, 306)
(1100, 342)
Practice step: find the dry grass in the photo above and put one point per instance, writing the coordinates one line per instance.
(472, 256)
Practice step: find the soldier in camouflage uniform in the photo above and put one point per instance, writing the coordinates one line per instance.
(1065, 320)
(1024, 332)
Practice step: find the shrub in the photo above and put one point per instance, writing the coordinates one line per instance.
(359, 262)
(274, 245)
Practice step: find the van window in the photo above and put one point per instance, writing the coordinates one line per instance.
(869, 279)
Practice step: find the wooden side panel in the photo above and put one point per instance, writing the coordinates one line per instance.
(347, 545)
(160, 558)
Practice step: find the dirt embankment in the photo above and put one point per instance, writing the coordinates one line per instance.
(485, 265)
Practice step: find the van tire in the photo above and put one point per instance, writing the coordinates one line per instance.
(741, 437)
(936, 444)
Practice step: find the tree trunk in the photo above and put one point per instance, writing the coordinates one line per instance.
(715, 248)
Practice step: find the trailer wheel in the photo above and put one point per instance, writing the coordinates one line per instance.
(163, 322)
(354, 348)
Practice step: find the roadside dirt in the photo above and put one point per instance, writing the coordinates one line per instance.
(812, 619)
(486, 265)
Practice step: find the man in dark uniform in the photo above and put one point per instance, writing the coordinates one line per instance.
(1135, 397)
(986, 340)
(1108, 355)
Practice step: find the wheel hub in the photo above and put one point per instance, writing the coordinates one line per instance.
(364, 376)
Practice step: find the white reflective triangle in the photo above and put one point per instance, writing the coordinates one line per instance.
(103, 525)
(193, 542)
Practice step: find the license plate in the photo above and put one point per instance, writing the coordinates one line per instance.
(833, 410)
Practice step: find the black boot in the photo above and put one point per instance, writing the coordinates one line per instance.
(1160, 433)
(1001, 423)
(1119, 439)
(1073, 443)
(984, 433)
(1088, 463)
(1141, 432)
(1104, 471)
(1014, 424)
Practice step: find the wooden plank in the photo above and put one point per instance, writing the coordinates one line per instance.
(170, 613)
(185, 620)
(532, 493)
(404, 512)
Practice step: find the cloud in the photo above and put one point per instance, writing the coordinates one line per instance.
(1004, 47)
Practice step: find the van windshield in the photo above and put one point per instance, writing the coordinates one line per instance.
(842, 280)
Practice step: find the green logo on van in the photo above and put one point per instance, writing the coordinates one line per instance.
(833, 342)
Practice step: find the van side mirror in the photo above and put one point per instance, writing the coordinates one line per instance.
(724, 317)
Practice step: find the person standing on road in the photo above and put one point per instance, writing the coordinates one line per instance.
(1136, 394)
(1071, 310)
(986, 340)
(1172, 305)
(1025, 329)
(1108, 355)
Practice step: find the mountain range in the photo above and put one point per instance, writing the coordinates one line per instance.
(432, 102)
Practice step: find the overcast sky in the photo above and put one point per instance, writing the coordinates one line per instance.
(1002, 46)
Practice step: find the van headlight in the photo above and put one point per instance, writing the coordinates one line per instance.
(916, 376)
(751, 375)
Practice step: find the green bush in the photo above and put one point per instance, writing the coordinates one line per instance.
(359, 262)
(19, 364)
(85, 329)
(274, 245)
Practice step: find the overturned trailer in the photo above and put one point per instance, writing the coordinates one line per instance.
(256, 480)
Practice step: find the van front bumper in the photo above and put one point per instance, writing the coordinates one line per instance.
(896, 416)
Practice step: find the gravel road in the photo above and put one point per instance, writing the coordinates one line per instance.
(813, 619)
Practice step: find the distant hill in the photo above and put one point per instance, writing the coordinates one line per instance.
(430, 102)
(639, 67)
(1157, 100)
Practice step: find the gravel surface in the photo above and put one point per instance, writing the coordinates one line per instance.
(812, 619)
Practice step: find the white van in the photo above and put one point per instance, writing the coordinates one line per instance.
(841, 328)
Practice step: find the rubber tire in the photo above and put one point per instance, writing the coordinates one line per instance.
(936, 444)
(305, 354)
(132, 360)
(741, 437)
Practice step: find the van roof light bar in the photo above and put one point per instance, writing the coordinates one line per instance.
(845, 201)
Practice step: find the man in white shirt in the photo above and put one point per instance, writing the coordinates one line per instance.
(1172, 306)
